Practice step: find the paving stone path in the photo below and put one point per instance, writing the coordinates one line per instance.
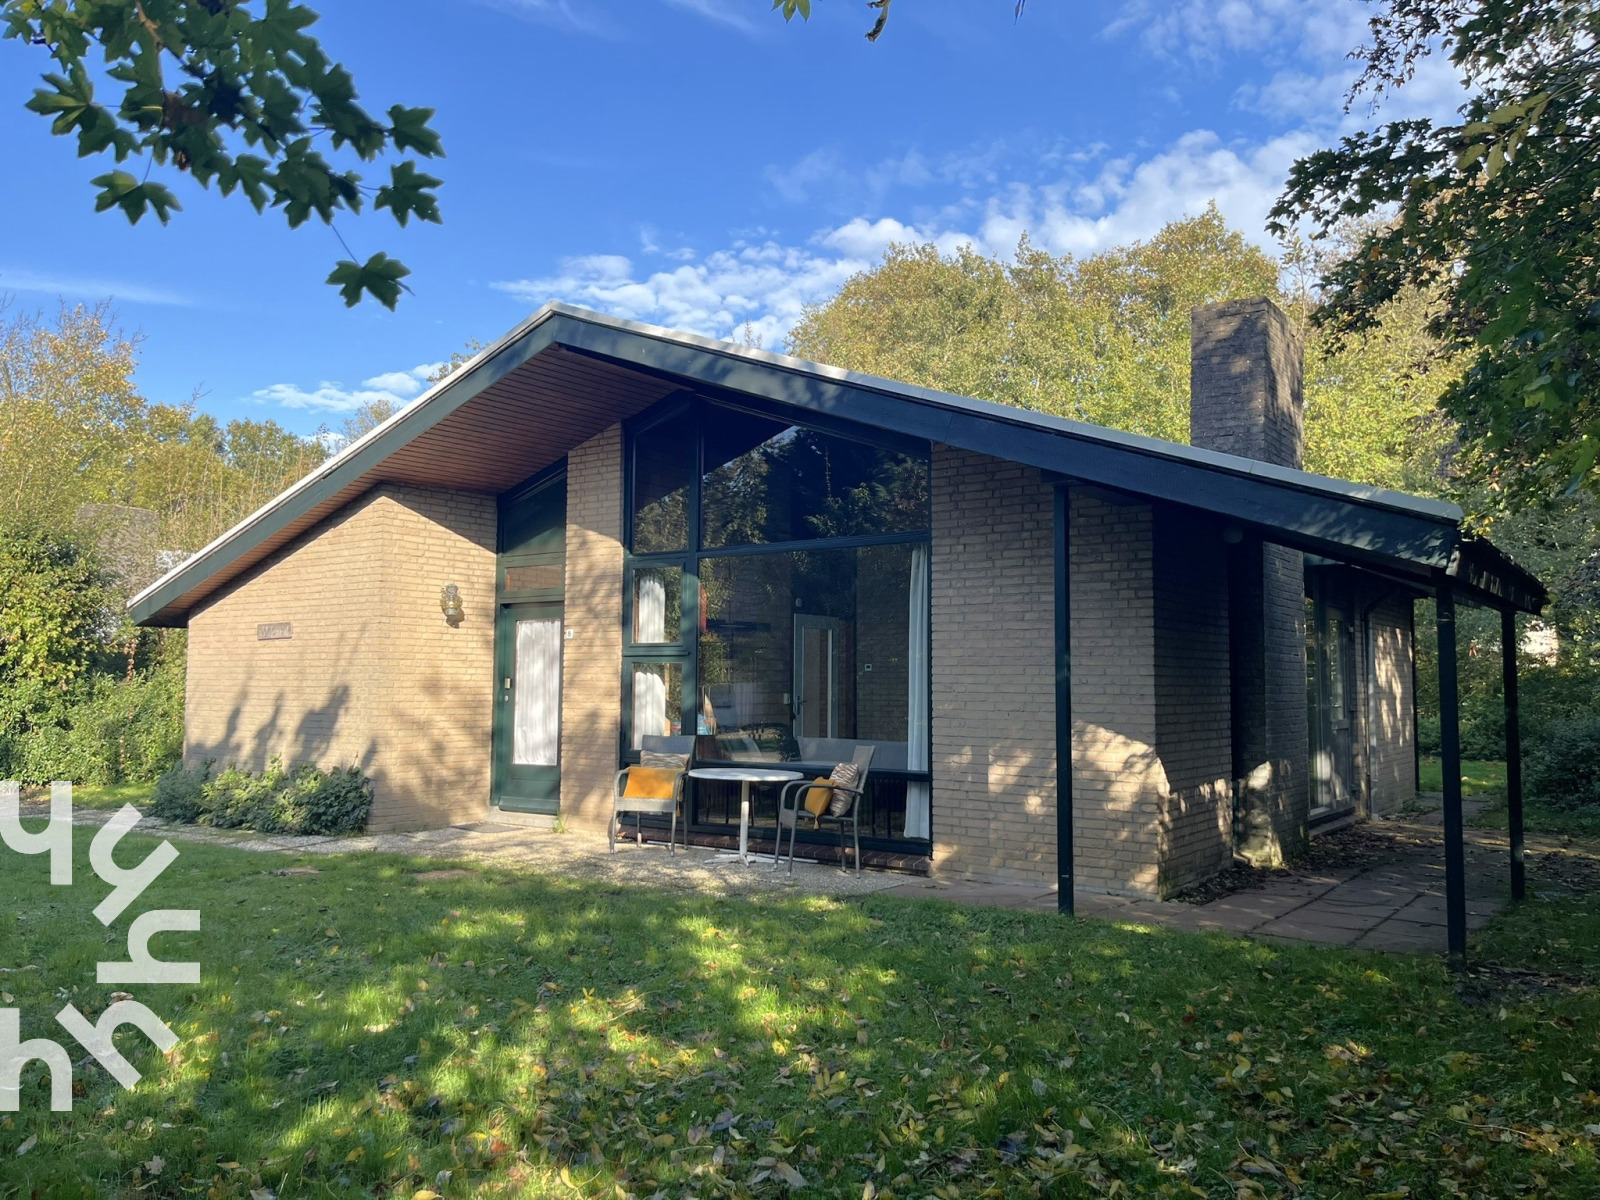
(1395, 903)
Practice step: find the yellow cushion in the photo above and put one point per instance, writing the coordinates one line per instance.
(650, 783)
(818, 798)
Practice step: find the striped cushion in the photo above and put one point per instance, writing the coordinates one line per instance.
(845, 775)
(660, 758)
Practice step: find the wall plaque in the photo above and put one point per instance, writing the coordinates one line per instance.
(278, 631)
(528, 579)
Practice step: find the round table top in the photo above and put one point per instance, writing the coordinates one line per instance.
(745, 774)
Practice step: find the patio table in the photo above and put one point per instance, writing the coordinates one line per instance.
(744, 777)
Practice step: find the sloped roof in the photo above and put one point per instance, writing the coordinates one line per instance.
(566, 373)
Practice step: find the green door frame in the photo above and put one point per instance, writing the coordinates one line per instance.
(529, 585)
(519, 787)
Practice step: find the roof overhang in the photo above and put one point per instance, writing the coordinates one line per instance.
(566, 374)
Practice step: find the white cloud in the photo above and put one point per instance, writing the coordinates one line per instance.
(1305, 44)
(768, 283)
(89, 288)
(395, 387)
(764, 283)
(720, 12)
(561, 14)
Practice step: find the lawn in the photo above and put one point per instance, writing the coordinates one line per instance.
(1489, 778)
(381, 1029)
(1477, 777)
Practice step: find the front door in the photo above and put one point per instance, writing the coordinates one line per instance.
(527, 726)
(528, 641)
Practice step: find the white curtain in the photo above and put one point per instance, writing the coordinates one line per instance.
(650, 607)
(649, 704)
(917, 794)
(536, 719)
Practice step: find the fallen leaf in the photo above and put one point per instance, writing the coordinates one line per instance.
(788, 1174)
(29, 1144)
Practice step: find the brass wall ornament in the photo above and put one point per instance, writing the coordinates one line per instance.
(451, 605)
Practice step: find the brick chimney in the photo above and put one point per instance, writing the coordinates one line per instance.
(1245, 398)
(1244, 382)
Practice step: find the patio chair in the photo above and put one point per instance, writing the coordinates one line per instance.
(844, 806)
(658, 793)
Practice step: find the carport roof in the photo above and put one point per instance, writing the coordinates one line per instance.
(566, 374)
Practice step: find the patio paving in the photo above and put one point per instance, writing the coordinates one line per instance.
(572, 855)
(1395, 904)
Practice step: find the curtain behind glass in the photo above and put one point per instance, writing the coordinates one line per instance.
(649, 705)
(918, 823)
(536, 715)
(650, 611)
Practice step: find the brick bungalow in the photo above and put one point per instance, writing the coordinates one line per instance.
(598, 529)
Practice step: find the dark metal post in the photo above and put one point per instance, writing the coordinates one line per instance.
(1455, 866)
(1508, 658)
(1063, 580)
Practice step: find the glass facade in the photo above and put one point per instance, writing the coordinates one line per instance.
(777, 603)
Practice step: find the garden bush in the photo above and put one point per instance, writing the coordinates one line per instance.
(1561, 767)
(180, 794)
(307, 800)
(98, 729)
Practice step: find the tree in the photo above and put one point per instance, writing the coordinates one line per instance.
(1494, 215)
(1105, 339)
(53, 606)
(232, 97)
(74, 430)
(365, 419)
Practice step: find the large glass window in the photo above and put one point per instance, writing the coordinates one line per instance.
(663, 476)
(805, 651)
(767, 482)
(770, 652)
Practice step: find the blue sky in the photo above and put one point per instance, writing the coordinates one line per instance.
(694, 163)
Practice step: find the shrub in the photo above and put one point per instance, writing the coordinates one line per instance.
(340, 803)
(180, 794)
(307, 800)
(1562, 765)
(235, 798)
(99, 729)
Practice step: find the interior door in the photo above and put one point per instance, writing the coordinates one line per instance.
(527, 725)
(816, 676)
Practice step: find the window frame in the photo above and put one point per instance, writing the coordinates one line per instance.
(686, 651)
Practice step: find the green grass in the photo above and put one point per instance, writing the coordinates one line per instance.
(1489, 779)
(1477, 777)
(112, 796)
(361, 1032)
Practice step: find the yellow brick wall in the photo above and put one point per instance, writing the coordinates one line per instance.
(1119, 781)
(993, 611)
(372, 675)
(591, 685)
(1389, 707)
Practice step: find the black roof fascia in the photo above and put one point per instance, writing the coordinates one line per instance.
(1318, 519)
